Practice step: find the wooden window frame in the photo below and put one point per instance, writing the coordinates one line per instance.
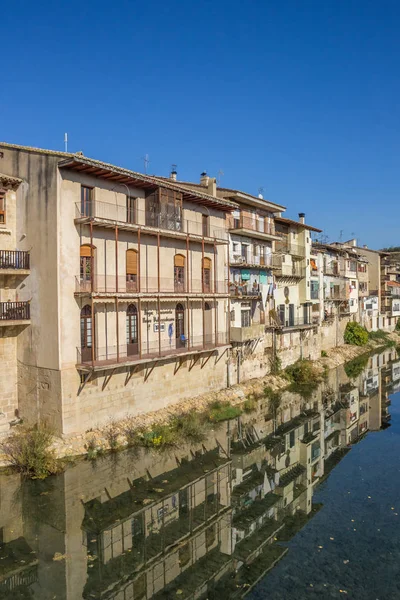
(87, 202)
(3, 209)
(131, 210)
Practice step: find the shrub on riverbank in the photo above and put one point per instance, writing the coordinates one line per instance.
(355, 334)
(382, 337)
(302, 372)
(223, 411)
(28, 450)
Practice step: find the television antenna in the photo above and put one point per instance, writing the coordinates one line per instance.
(146, 162)
(220, 175)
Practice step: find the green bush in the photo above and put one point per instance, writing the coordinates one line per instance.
(223, 411)
(323, 354)
(302, 372)
(191, 426)
(249, 405)
(397, 328)
(28, 450)
(382, 337)
(355, 334)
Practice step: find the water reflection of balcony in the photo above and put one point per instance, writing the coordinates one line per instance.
(111, 357)
(108, 215)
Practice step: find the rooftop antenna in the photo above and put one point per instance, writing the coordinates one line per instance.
(341, 235)
(66, 142)
(146, 162)
(220, 175)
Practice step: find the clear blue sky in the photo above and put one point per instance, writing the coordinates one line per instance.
(299, 97)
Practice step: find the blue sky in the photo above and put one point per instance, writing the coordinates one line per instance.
(299, 97)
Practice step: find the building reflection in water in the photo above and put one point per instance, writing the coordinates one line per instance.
(194, 523)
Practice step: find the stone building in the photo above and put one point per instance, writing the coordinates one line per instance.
(14, 303)
(127, 293)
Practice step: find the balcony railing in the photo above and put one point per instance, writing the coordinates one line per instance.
(14, 259)
(283, 269)
(109, 284)
(287, 247)
(281, 321)
(127, 353)
(238, 290)
(14, 311)
(251, 223)
(173, 221)
(251, 259)
(341, 293)
(332, 269)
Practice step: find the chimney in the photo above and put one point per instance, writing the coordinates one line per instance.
(261, 196)
(212, 186)
(173, 175)
(365, 246)
(204, 179)
(302, 217)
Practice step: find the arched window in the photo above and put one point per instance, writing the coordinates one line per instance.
(131, 270)
(206, 275)
(87, 258)
(179, 273)
(86, 333)
(180, 326)
(132, 330)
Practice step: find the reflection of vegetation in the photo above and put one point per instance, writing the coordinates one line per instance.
(355, 334)
(397, 328)
(382, 337)
(29, 451)
(355, 367)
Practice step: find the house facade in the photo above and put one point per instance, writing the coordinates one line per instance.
(128, 298)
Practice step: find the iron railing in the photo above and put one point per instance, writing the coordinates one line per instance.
(287, 247)
(170, 220)
(104, 284)
(14, 311)
(149, 350)
(252, 223)
(14, 259)
(251, 259)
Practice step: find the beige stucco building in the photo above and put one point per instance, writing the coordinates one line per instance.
(127, 290)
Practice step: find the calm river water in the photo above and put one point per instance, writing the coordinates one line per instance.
(298, 499)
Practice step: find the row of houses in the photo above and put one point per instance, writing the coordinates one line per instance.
(122, 292)
(199, 522)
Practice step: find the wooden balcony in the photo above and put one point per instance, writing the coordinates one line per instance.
(112, 357)
(173, 224)
(14, 313)
(14, 262)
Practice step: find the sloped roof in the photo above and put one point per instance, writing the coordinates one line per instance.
(297, 223)
(102, 169)
(9, 180)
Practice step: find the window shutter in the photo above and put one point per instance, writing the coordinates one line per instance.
(179, 260)
(131, 262)
(86, 251)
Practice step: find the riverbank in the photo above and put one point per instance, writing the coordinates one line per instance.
(235, 396)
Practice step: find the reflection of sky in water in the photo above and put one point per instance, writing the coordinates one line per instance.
(361, 512)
